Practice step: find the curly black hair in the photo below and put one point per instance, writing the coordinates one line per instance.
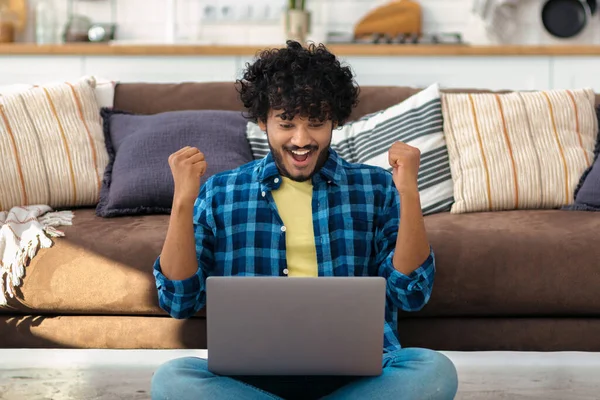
(309, 82)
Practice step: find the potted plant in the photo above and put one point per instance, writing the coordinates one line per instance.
(297, 21)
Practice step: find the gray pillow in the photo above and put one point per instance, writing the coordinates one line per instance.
(587, 193)
(138, 180)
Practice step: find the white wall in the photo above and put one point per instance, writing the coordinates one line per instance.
(144, 20)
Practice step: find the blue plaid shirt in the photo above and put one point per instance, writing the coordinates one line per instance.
(356, 213)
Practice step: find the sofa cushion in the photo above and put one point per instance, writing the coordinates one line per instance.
(518, 150)
(103, 88)
(152, 98)
(526, 263)
(66, 171)
(138, 178)
(101, 332)
(513, 263)
(143, 332)
(101, 266)
(587, 193)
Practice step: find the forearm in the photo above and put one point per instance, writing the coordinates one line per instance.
(412, 244)
(178, 257)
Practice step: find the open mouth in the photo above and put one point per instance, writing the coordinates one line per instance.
(301, 157)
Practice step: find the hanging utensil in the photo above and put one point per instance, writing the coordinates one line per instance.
(567, 18)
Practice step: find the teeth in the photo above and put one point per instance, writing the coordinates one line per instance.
(301, 153)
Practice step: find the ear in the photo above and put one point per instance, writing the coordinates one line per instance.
(262, 125)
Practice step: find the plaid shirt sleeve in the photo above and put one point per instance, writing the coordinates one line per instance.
(183, 298)
(408, 293)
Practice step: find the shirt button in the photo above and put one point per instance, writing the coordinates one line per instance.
(285, 271)
(263, 194)
(276, 180)
(283, 229)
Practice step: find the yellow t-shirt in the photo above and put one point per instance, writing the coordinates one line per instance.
(294, 203)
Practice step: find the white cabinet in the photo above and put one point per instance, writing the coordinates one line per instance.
(162, 69)
(39, 69)
(495, 73)
(576, 72)
(463, 72)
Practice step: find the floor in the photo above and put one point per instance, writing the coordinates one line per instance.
(124, 374)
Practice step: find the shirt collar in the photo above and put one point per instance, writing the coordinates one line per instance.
(332, 172)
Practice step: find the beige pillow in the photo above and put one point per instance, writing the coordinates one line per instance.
(521, 150)
(51, 146)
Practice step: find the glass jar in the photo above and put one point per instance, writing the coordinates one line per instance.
(45, 22)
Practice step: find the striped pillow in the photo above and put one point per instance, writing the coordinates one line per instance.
(51, 146)
(521, 150)
(416, 121)
(103, 88)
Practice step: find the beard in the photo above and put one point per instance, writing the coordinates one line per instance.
(279, 156)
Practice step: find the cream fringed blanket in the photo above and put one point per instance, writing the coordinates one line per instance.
(23, 231)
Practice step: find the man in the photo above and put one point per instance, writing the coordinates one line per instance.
(300, 211)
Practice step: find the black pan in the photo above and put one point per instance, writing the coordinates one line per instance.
(567, 18)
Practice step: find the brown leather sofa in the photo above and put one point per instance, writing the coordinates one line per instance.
(516, 280)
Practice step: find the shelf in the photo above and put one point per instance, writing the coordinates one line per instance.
(92, 49)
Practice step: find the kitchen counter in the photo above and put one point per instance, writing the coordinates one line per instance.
(91, 49)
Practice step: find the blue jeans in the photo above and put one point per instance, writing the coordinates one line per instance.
(411, 373)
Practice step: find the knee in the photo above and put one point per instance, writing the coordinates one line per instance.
(433, 375)
(170, 380)
(442, 374)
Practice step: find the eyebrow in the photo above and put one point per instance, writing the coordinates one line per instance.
(315, 121)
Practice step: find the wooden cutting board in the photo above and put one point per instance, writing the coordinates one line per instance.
(395, 18)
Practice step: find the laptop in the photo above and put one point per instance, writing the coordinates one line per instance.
(295, 326)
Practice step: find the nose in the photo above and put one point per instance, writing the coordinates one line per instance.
(301, 137)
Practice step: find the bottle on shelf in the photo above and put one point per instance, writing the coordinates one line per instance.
(46, 29)
(7, 24)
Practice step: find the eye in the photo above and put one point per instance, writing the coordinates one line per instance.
(286, 126)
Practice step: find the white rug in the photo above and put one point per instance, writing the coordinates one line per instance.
(125, 374)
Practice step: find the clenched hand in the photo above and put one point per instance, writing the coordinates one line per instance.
(187, 166)
(405, 160)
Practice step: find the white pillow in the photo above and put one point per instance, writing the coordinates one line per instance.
(103, 88)
(105, 92)
(52, 146)
(15, 88)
